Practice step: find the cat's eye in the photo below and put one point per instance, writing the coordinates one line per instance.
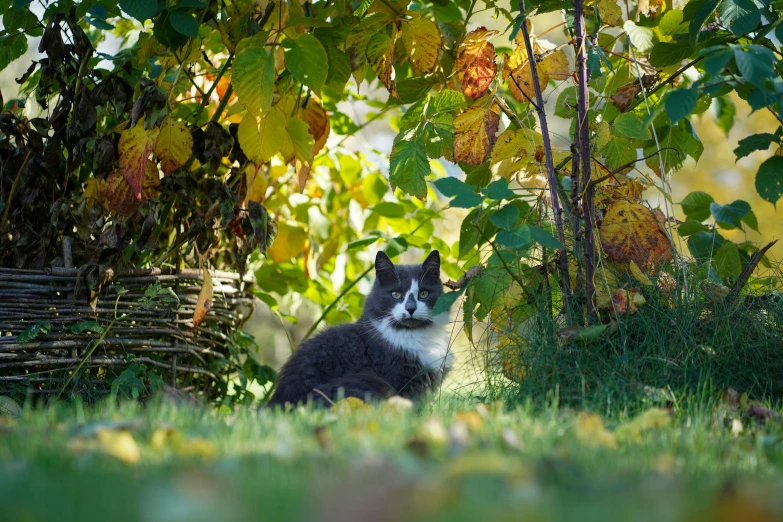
(396, 295)
(423, 294)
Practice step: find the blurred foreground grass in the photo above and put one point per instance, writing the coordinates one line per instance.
(710, 460)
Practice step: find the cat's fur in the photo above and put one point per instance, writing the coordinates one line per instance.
(396, 347)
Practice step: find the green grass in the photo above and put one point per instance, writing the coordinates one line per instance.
(452, 461)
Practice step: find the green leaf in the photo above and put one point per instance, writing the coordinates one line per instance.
(389, 209)
(664, 54)
(446, 100)
(755, 66)
(731, 215)
(87, 325)
(301, 140)
(727, 260)
(671, 23)
(506, 217)
(703, 245)
(696, 205)
(566, 103)
(253, 78)
(515, 238)
(469, 235)
(700, 11)
(769, 179)
(396, 246)
(33, 331)
(498, 190)
(141, 10)
(755, 142)
(629, 125)
(478, 176)
(544, 238)
(260, 141)
(362, 243)
(11, 48)
(408, 166)
(184, 23)
(618, 152)
(717, 60)
(742, 16)
(751, 220)
(680, 103)
(363, 7)
(451, 187)
(641, 37)
(724, 111)
(306, 58)
(446, 301)
(691, 226)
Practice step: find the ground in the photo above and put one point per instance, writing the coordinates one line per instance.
(708, 459)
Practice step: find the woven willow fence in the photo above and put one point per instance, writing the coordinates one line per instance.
(131, 328)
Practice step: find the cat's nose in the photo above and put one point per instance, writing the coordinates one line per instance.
(410, 305)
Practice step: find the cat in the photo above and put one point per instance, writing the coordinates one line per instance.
(397, 347)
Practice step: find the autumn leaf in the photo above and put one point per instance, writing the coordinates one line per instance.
(474, 135)
(135, 147)
(475, 65)
(92, 191)
(174, 145)
(204, 302)
(516, 143)
(422, 41)
(631, 232)
(627, 301)
(118, 194)
(590, 430)
(611, 14)
(256, 181)
(521, 86)
(380, 56)
(261, 140)
(289, 243)
(368, 27)
(623, 97)
(317, 122)
(297, 141)
(555, 66)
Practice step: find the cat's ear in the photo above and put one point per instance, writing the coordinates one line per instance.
(431, 266)
(385, 272)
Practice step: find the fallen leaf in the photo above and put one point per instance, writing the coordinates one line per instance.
(475, 65)
(474, 135)
(654, 418)
(398, 403)
(348, 405)
(204, 302)
(627, 301)
(118, 444)
(715, 293)
(590, 430)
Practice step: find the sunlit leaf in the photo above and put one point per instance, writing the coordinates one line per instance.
(380, 56)
(174, 145)
(475, 135)
(306, 58)
(631, 232)
(475, 65)
(262, 139)
(611, 14)
(422, 41)
(135, 148)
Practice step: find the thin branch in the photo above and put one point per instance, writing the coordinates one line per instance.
(627, 165)
(747, 271)
(469, 274)
(550, 165)
(14, 186)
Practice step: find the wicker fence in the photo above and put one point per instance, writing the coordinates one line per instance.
(115, 318)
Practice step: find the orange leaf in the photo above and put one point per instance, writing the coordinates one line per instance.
(475, 65)
(474, 135)
(317, 123)
(204, 302)
(631, 232)
(117, 192)
(135, 147)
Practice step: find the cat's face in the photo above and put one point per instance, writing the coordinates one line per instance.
(404, 295)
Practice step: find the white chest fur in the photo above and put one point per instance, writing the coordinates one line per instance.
(430, 344)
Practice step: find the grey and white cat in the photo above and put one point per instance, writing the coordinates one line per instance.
(396, 347)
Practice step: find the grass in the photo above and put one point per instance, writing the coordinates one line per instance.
(451, 461)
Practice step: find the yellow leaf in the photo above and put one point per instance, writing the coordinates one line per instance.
(135, 147)
(521, 86)
(631, 232)
(118, 444)
(611, 14)
(603, 135)
(422, 41)
(515, 143)
(262, 139)
(380, 56)
(289, 243)
(471, 419)
(92, 191)
(511, 363)
(256, 182)
(397, 403)
(348, 405)
(555, 66)
(474, 135)
(640, 276)
(654, 418)
(173, 146)
(514, 61)
(317, 123)
(475, 65)
(590, 430)
(204, 302)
